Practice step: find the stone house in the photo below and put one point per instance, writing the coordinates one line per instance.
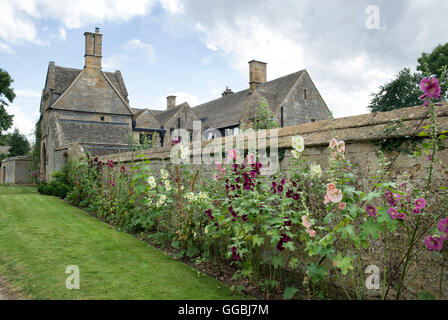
(16, 170)
(90, 108)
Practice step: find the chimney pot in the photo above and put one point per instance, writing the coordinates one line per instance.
(227, 92)
(170, 102)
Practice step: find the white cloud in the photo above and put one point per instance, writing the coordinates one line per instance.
(181, 97)
(131, 51)
(62, 33)
(27, 93)
(6, 48)
(172, 6)
(22, 120)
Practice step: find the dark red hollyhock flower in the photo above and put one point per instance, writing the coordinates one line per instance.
(123, 169)
(294, 184)
(279, 246)
(285, 238)
(244, 217)
(296, 196)
(238, 180)
(280, 189)
(289, 193)
(209, 213)
(232, 187)
(232, 212)
(287, 222)
(95, 159)
(238, 187)
(235, 255)
(283, 181)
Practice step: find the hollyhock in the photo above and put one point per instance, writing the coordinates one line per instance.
(285, 238)
(416, 211)
(342, 205)
(209, 213)
(431, 88)
(244, 217)
(340, 146)
(333, 143)
(289, 193)
(231, 154)
(420, 203)
(296, 196)
(331, 187)
(401, 216)
(316, 170)
(327, 200)
(235, 255)
(288, 222)
(306, 222)
(443, 225)
(298, 143)
(312, 233)
(393, 213)
(434, 243)
(371, 211)
(335, 196)
(279, 246)
(280, 189)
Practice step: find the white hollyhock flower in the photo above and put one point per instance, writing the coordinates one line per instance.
(295, 154)
(167, 185)
(152, 182)
(316, 170)
(165, 174)
(298, 143)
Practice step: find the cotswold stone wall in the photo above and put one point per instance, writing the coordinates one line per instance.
(361, 134)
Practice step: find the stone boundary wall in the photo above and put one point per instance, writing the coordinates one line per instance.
(360, 134)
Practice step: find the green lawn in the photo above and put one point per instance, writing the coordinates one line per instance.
(41, 235)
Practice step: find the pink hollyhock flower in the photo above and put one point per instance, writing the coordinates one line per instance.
(342, 205)
(431, 88)
(331, 187)
(443, 225)
(426, 103)
(393, 213)
(333, 143)
(401, 216)
(420, 203)
(416, 211)
(433, 243)
(371, 211)
(335, 196)
(231, 154)
(327, 200)
(306, 222)
(312, 233)
(341, 146)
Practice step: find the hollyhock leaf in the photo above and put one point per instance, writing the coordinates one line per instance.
(277, 261)
(289, 245)
(289, 292)
(348, 232)
(317, 272)
(371, 228)
(372, 195)
(343, 263)
(257, 241)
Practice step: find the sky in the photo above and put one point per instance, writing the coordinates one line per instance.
(195, 48)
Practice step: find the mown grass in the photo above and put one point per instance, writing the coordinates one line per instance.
(41, 235)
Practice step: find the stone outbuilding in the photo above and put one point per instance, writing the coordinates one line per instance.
(16, 170)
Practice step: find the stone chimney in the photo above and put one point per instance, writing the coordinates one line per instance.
(257, 74)
(170, 102)
(227, 92)
(93, 52)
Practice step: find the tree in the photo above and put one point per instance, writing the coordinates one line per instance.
(18, 142)
(401, 92)
(436, 63)
(5, 92)
(264, 118)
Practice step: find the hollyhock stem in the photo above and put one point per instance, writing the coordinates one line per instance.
(441, 274)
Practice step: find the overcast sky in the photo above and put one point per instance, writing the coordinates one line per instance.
(195, 48)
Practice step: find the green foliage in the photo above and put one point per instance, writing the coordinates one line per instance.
(5, 92)
(436, 63)
(35, 150)
(59, 185)
(264, 117)
(18, 142)
(401, 92)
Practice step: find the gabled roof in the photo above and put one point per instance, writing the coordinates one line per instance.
(228, 110)
(166, 115)
(64, 77)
